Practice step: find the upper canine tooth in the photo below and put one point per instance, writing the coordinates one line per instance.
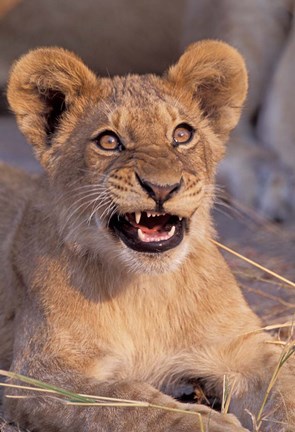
(137, 217)
(149, 214)
(180, 218)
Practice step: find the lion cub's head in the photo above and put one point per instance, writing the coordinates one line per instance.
(130, 160)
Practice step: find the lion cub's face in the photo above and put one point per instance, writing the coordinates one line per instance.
(131, 159)
(147, 170)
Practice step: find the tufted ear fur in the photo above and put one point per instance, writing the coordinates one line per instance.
(43, 86)
(216, 77)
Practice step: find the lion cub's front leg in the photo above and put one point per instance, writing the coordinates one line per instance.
(45, 413)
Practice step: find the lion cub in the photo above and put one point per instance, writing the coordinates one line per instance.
(110, 284)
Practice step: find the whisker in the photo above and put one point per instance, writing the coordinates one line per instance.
(78, 192)
(96, 208)
(86, 193)
(106, 210)
(83, 198)
(76, 227)
(85, 205)
(112, 214)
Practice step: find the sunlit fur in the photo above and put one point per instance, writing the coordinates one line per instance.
(80, 310)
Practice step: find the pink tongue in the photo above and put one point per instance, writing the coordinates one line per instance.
(146, 230)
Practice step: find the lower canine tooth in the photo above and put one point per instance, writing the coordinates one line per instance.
(140, 235)
(172, 231)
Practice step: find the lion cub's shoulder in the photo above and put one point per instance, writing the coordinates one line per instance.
(16, 188)
(16, 181)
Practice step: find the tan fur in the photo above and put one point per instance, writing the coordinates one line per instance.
(93, 315)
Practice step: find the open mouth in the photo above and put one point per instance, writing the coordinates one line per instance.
(149, 231)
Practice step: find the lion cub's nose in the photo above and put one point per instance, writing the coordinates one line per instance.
(159, 193)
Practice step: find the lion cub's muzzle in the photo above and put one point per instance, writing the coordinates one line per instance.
(149, 231)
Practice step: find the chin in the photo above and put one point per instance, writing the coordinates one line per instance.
(153, 263)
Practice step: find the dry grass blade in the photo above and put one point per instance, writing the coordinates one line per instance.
(40, 386)
(255, 264)
(227, 392)
(45, 386)
(274, 298)
(289, 324)
(26, 388)
(276, 342)
(287, 352)
(224, 393)
(71, 398)
(253, 419)
(253, 276)
(113, 404)
(48, 390)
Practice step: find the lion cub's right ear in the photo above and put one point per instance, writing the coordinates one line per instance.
(44, 84)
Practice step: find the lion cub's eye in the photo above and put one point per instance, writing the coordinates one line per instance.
(108, 141)
(182, 134)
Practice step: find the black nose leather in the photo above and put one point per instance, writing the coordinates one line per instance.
(158, 193)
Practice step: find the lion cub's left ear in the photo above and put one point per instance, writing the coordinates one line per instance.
(216, 77)
(43, 86)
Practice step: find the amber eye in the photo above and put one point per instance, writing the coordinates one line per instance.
(108, 141)
(182, 134)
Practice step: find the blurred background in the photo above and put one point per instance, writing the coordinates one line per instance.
(138, 36)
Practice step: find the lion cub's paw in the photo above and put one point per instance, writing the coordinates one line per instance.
(208, 420)
(216, 422)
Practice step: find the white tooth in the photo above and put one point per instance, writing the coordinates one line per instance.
(148, 214)
(141, 235)
(172, 231)
(137, 217)
(180, 218)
